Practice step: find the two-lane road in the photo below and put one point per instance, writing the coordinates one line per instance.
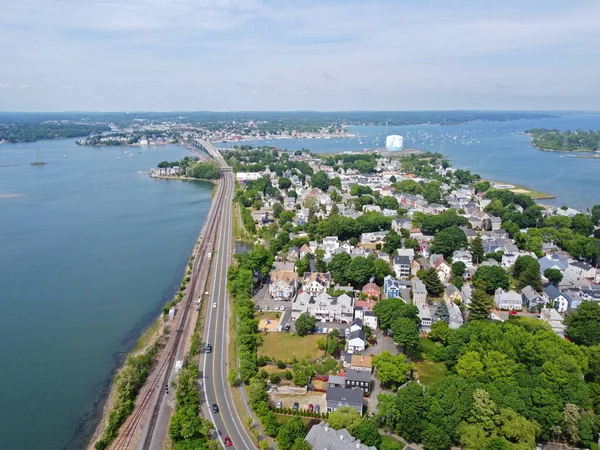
(214, 366)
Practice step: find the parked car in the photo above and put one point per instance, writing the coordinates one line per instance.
(257, 308)
(208, 348)
(287, 327)
(266, 308)
(214, 305)
(215, 408)
(276, 308)
(347, 332)
(311, 408)
(228, 442)
(325, 330)
(282, 308)
(317, 409)
(319, 330)
(279, 404)
(296, 406)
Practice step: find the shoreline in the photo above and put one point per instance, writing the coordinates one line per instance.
(520, 189)
(175, 177)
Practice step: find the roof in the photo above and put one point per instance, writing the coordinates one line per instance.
(339, 394)
(335, 379)
(358, 375)
(361, 361)
(552, 292)
(284, 275)
(322, 437)
(358, 334)
(402, 260)
(357, 322)
(529, 292)
(370, 287)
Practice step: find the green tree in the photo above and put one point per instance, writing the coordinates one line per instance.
(289, 432)
(382, 269)
(522, 263)
(583, 324)
(368, 433)
(477, 250)
(359, 271)
(409, 187)
(411, 406)
(305, 324)
(344, 417)
(301, 376)
(435, 438)
(301, 444)
(479, 308)
(338, 267)
(448, 240)
(555, 276)
(469, 365)
(441, 311)
(284, 183)
(392, 242)
(582, 224)
(389, 309)
(458, 269)
(531, 277)
(596, 214)
(439, 332)
(432, 281)
(320, 180)
(491, 278)
(303, 265)
(392, 370)
(406, 334)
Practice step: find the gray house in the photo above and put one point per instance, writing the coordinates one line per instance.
(337, 397)
(358, 379)
(322, 436)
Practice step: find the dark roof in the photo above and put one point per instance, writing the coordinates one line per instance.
(339, 394)
(552, 292)
(358, 375)
(404, 260)
(357, 322)
(357, 334)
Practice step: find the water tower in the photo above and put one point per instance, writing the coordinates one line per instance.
(394, 143)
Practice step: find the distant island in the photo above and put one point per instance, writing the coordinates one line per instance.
(17, 132)
(565, 141)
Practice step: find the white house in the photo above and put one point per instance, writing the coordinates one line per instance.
(463, 256)
(283, 284)
(552, 317)
(579, 270)
(557, 299)
(510, 300)
(419, 292)
(402, 266)
(357, 341)
(316, 283)
(324, 307)
(330, 243)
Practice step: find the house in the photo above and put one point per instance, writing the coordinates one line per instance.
(358, 379)
(337, 397)
(509, 300)
(555, 299)
(463, 256)
(375, 237)
(336, 381)
(443, 269)
(400, 224)
(456, 318)
(554, 261)
(402, 265)
(321, 436)
(426, 318)
(370, 319)
(467, 292)
(330, 243)
(305, 250)
(391, 287)
(283, 284)
(289, 202)
(552, 317)
(419, 292)
(357, 341)
(452, 294)
(361, 362)
(531, 299)
(293, 253)
(580, 270)
(316, 283)
(372, 290)
(324, 307)
(407, 252)
(496, 222)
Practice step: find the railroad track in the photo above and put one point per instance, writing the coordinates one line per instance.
(161, 373)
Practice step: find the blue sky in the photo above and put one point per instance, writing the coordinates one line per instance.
(115, 55)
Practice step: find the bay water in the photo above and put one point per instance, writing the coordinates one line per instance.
(90, 250)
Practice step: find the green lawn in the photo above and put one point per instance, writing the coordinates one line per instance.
(429, 372)
(284, 346)
(393, 440)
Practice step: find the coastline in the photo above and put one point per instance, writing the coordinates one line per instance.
(520, 189)
(175, 177)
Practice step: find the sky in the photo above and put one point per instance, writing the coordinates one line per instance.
(230, 55)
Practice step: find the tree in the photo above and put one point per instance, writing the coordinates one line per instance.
(359, 271)
(320, 180)
(289, 432)
(391, 370)
(554, 276)
(392, 242)
(477, 249)
(381, 270)
(441, 312)
(305, 324)
(583, 324)
(432, 281)
(435, 438)
(301, 377)
(522, 263)
(479, 308)
(406, 334)
(389, 309)
(491, 278)
(582, 224)
(469, 365)
(458, 269)
(439, 332)
(301, 444)
(595, 214)
(531, 277)
(368, 433)
(284, 183)
(448, 240)
(412, 406)
(303, 264)
(344, 417)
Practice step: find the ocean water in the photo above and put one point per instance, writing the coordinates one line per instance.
(495, 150)
(90, 250)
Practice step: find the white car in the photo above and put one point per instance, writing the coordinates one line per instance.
(325, 330)
(276, 308)
(282, 308)
(214, 305)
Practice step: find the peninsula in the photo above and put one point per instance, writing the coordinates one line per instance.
(565, 141)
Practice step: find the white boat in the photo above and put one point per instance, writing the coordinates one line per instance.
(65, 156)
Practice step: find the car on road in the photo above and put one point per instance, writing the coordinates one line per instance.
(279, 404)
(311, 408)
(282, 308)
(287, 327)
(266, 308)
(215, 408)
(317, 409)
(257, 308)
(296, 406)
(228, 442)
(276, 308)
(208, 348)
(214, 305)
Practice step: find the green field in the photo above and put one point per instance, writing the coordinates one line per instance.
(393, 440)
(429, 372)
(285, 346)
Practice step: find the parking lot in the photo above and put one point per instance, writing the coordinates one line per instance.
(266, 304)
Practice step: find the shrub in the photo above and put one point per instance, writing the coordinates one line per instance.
(281, 364)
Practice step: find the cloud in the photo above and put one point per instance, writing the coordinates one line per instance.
(5, 85)
(306, 54)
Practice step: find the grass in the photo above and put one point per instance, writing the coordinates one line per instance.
(286, 346)
(285, 419)
(430, 372)
(392, 440)
(148, 336)
(275, 315)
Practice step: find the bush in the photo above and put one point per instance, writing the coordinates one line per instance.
(275, 379)
(281, 364)
(288, 375)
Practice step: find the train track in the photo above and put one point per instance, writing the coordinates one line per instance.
(161, 373)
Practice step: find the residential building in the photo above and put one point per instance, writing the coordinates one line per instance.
(554, 261)
(357, 341)
(316, 283)
(391, 287)
(336, 381)
(531, 299)
(426, 318)
(419, 292)
(370, 319)
(283, 284)
(407, 252)
(463, 256)
(402, 265)
(304, 250)
(509, 300)
(580, 270)
(456, 318)
(324, 307)
(552, 317)
(322, 437)
(555, 299)
(362, 363)
(330, 243)
(375, 237)
(293, 253)
(372, 290)
(443, 269)
(467, 292)
(452, 294)
(496, 222)
(337, 397)
(358, 379)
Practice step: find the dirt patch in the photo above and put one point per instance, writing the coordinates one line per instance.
(268, 325)
(311, 397)
(519, 191)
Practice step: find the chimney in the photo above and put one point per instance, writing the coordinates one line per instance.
(341, 437)
(326, 427)
(358, 443)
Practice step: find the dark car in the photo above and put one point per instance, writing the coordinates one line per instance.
(215, 408)
(228, 442)
(296, 406)
(257, 308)
(208, 348)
